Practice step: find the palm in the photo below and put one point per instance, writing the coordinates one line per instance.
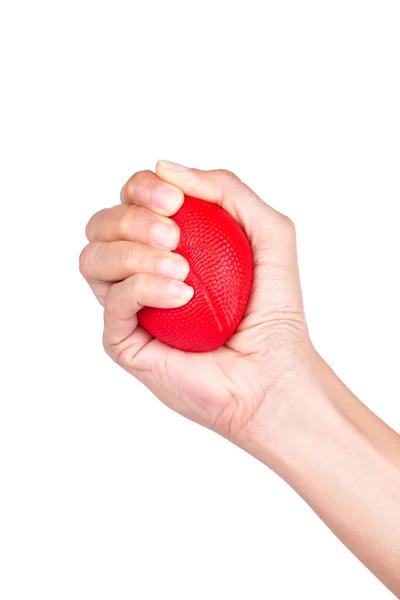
(223, 388)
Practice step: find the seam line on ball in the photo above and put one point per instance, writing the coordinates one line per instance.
(209, 301)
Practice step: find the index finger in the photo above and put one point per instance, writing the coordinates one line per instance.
(148, 190)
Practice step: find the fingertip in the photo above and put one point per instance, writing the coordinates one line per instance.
(180, 292)
(192, 182)
(165, 235)
(167, 164)
(166, 199)
(174, 266)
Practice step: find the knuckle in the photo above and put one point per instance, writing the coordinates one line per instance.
(139, 179)
(287, 229)
(89, 230)
(289, 225)
(86, 260)
(141, 176)
(110, 299)
(137, 286)
(225, 173)
(139, 289)
(125, 223)
(131, 256)
(127, 190)
(106, 345)
(109, 348)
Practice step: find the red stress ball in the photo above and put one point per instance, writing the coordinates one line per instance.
(221, 271)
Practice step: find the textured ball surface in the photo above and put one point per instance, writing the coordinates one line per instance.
(221, 270)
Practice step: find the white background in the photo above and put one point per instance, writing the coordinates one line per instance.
(105, 494)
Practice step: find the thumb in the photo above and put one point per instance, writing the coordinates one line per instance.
(261, 222)
(276, 282)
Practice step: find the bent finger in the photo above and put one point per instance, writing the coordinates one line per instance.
(147, 189)
(131, 223)
(125, 299)
(114, 261)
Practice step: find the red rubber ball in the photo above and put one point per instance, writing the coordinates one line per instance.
(221, 271)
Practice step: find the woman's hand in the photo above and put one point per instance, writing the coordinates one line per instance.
(128, 263)
(267, 389)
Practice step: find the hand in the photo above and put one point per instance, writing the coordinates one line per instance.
(267, 389)
(128, 263)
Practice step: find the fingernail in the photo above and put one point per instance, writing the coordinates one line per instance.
(166, 198)
(176, 268)
(180, 291)
(166, 236)
(172, 165)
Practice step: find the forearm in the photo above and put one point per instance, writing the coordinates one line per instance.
(345, 463)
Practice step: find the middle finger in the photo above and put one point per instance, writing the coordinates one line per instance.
(133, 224)
(114, 261)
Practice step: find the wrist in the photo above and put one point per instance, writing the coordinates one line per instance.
(294, 414)
(315, 413)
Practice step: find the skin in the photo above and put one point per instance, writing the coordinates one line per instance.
(267, 389)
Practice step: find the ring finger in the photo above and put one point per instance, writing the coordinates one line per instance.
(104, 263)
